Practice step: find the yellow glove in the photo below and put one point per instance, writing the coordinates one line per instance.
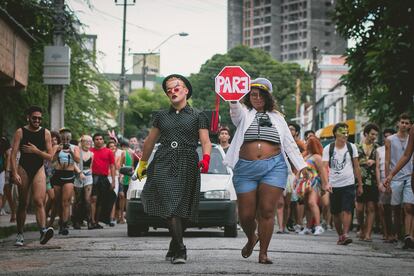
(141, 170)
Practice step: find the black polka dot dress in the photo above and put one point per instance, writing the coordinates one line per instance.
(173, 184)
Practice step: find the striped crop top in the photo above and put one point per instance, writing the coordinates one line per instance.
(262, 129)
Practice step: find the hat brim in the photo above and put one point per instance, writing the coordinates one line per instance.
(180, 77)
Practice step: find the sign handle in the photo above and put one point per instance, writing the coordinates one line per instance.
(215, 117)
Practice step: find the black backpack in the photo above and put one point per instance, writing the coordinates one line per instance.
(350, 151)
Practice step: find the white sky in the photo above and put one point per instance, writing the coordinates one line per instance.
(149, 23)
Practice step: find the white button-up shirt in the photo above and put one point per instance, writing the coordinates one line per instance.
(242, 118)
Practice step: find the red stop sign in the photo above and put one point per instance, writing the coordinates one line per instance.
(232, 83)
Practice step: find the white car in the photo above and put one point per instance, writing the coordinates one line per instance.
(217, 207)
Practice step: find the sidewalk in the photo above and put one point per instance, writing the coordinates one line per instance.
(8, 228)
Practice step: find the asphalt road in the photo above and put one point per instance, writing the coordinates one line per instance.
(110, 252)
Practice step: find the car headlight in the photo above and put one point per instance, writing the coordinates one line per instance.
(217, 194)
(135, 194)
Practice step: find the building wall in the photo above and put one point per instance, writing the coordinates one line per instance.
(287, 29)
(234, 23)
(14, 57)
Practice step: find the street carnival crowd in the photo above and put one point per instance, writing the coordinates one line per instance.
(309, 188)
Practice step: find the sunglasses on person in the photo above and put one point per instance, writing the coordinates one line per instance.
(36, 118)
(256, 95)
(173, 89)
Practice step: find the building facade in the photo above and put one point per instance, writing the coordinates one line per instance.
(286, 29)
(15, 47)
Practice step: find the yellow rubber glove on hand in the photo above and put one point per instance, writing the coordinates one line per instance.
(141, 170)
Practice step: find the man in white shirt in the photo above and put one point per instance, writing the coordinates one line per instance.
(342, 159)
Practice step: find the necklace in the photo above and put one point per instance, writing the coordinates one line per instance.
(367, 149)
(403, 143)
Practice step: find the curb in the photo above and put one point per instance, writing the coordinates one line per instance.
(6, 231)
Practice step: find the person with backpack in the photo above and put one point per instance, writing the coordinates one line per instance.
(342, 159)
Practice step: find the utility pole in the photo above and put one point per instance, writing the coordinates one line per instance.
(144, 69)
(57, 92)
(298, 92)
(315, 70)
(122, 78)
(144, 65)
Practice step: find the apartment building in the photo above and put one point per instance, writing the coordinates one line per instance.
(286, 29)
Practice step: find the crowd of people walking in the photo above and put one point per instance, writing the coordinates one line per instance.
(76, 181)
(307, 187)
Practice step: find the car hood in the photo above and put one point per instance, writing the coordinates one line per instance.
(215, 182)
(209, 182)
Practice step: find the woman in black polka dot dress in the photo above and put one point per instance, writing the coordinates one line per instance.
(173, 185)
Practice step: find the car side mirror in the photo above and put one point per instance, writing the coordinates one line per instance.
(127, 170)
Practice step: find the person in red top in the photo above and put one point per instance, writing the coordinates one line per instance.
(103, 162)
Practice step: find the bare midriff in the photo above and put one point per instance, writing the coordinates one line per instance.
(258, 149)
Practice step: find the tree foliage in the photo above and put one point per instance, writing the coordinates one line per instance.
(89, 101)
(141, 105)
(380, 74)
(256, 63)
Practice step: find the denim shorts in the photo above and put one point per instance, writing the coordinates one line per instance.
(401, 192)
(248, 174)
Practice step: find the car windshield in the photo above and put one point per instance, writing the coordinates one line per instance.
(216, 161)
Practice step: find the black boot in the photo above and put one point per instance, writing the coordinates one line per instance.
(171, 251)
(180, 256)
(65, 229)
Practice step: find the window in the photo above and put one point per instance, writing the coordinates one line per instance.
(327, 43)
(327, 23)
(327, 33)
(293, 56)
(293, 46)
(304, 55)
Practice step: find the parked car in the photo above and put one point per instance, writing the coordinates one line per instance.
(217, 200)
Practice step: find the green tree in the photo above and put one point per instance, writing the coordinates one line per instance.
(89, 101)
(380, 74)
(141, 105)
(256, 63)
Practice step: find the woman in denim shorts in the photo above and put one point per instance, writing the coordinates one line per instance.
(258, 155)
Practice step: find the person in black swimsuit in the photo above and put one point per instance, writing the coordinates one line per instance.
(34, 144)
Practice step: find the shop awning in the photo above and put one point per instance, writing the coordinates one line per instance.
(326, 132)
